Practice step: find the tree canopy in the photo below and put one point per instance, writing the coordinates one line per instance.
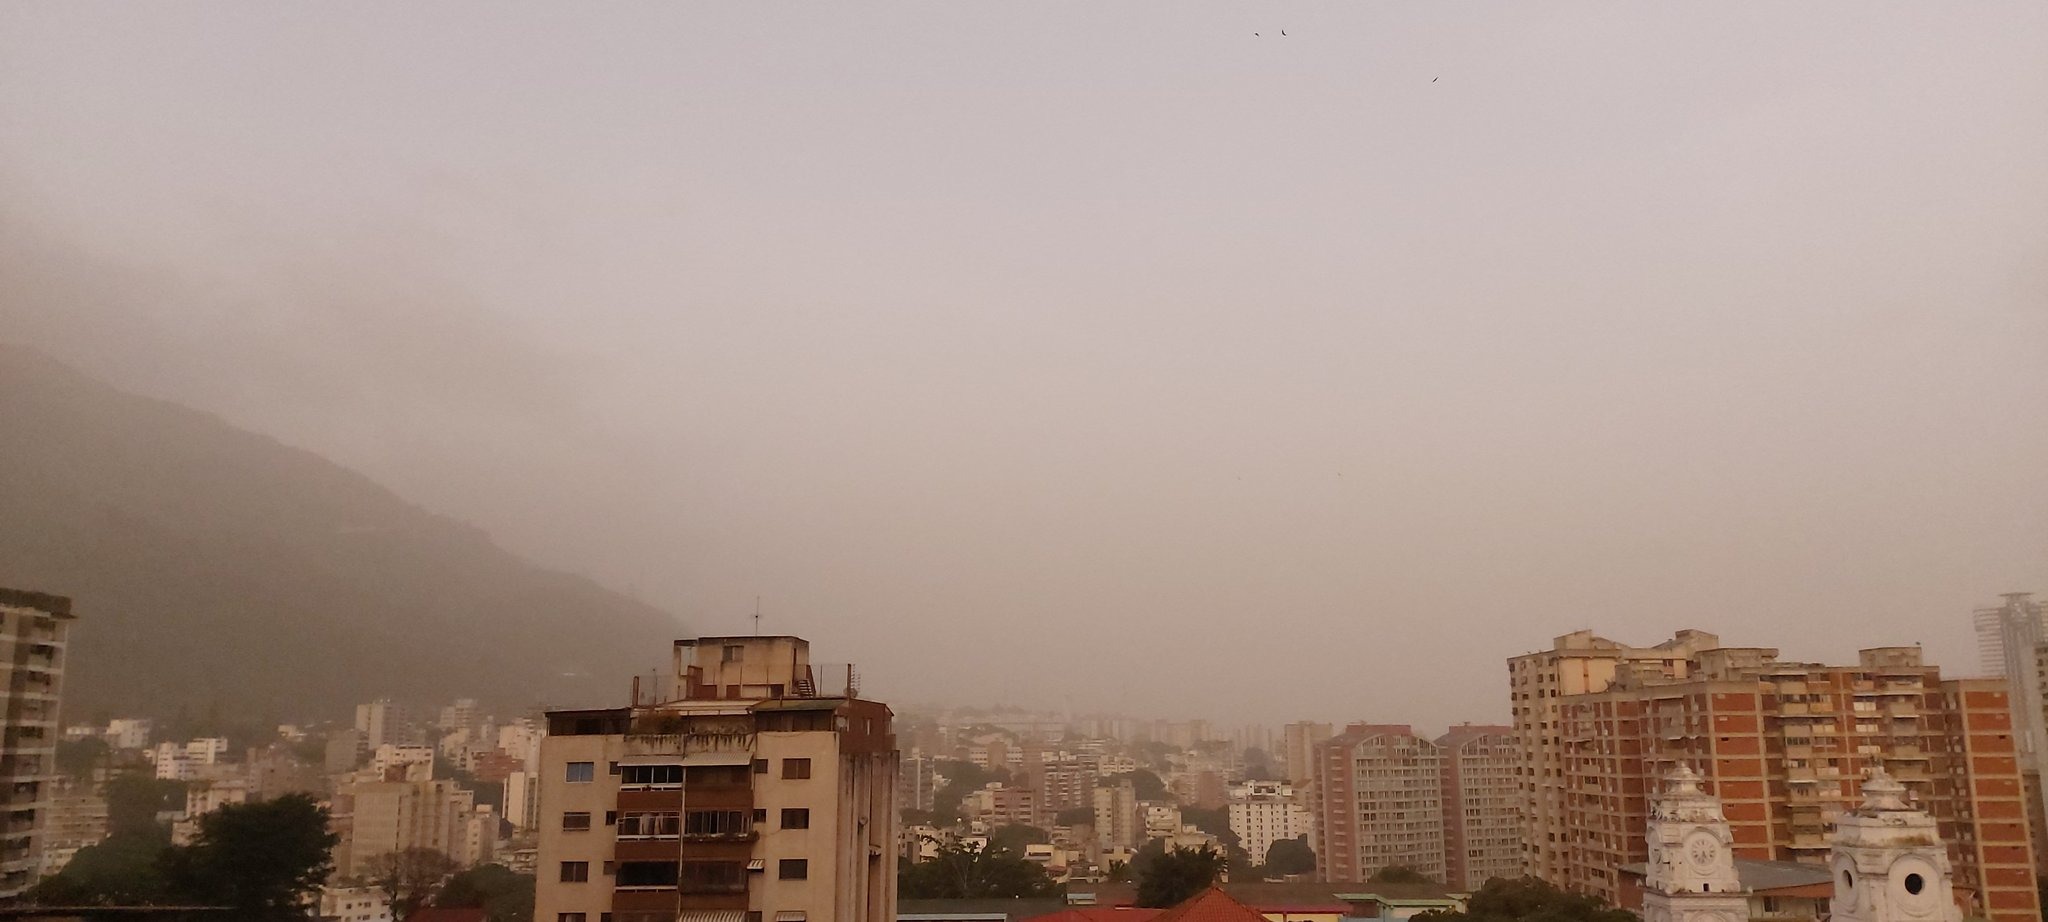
(1143, 781)
(1014, 836)
(1168, 878)
(1290, 856)
(504, 895)
(969, 872)
(268, 860)
(409, 877)
(1528, 899)
(1400, 874)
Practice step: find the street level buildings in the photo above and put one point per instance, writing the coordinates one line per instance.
(749, 786)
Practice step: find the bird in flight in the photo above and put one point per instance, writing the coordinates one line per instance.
(1283, 31)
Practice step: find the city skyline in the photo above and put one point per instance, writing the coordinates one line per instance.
(1109, 335)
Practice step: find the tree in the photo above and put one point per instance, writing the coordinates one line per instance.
(963, 871)
(1258, 765)
(1014, 836)
(1288, 857)
(503, 895)
(1075, 816)
(267, 860)
(1146, 784)
(1170, 878)
(77, 758)
(409, 877)
(1399, 874)
(134, 800)
(1527, 899)
(123, 870)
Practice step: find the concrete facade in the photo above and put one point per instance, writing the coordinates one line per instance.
(34, 628)
(1482, 805)
(737, 790)
(1378, 803)
(1779, 743)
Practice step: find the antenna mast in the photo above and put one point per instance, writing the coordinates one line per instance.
(757, 616)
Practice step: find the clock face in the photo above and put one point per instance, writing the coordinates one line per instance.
(1702, 849)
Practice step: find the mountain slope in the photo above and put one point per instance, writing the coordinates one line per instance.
(217, 569)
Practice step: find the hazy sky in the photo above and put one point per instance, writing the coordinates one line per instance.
(1103, 355)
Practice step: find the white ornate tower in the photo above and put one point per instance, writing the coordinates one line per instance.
(1691, 873)
(1889, 861)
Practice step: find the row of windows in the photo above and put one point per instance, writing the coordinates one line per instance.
(665, 916)
(660, 775)
(662, 824)
(690, 876)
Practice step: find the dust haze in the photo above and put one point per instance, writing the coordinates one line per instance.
(1104, 358)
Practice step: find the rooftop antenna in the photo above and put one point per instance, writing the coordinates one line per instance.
(757, 616)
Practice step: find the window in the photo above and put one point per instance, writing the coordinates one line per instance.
(719, 776)
(581, 772)
(575, 872)
(575, 822)
(712, 877)
(796, 818)
(650, 825)
(793, 869)
(760, 816)
(570, 917)
(733, 652)
(650, 775)
(716, 823)
(796, 769)
(647, 873)
(760, 766)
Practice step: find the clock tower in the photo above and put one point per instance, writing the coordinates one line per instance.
(1691, 872)
(1889, 861)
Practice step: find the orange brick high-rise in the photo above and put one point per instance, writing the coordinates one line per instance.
(1783, 745)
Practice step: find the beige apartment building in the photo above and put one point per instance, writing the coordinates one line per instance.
(379, 817)
(33, 628)
(1378, 802)
(1482, 805)
(743, 789)
(1781, 744)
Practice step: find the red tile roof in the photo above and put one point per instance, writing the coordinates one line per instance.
(1101, 914)
(1211, 905)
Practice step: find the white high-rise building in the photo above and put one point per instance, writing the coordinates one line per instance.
(1265, 812)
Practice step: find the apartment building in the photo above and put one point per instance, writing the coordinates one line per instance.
(1118, 820)
(1576, 663)
(33, 629)
(1378, 803)
(746, 788)
(1482, 805)
(2012, 640)
(383, 721)
(1781, 744)
(1264, 812)
(77, 818)
(1298, 749)
(377, 817)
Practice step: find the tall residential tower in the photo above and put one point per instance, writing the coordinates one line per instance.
(751, 787)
